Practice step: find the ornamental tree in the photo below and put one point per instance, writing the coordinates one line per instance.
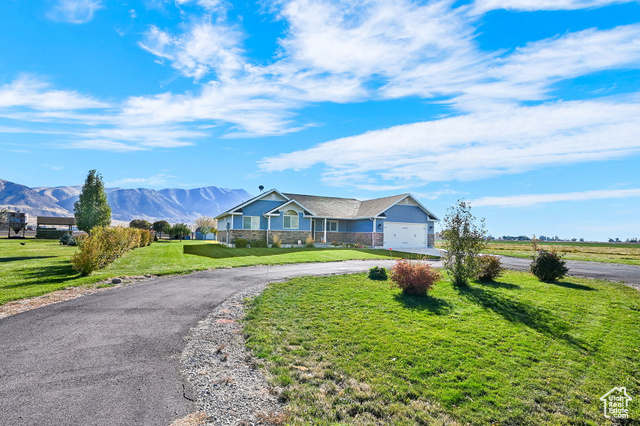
(207, 225)
(140, 224)
(463, 242)
(179, 230)
(92, 208)
(161, 226)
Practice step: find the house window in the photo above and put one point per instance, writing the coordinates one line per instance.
(251, 222)
(290, 220)
(333, 226)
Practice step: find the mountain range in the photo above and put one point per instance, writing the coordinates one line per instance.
(173, 205)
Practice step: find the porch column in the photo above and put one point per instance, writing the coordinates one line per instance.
(325, 230)
(268, 228)
(373, 234)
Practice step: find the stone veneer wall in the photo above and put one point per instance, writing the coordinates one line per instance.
(363, 238)
(288, 237)
(431, 240)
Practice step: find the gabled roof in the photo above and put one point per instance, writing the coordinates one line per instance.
(328, 206)
(334, 207)
(246, 203)
(373, 208)
(286, 203)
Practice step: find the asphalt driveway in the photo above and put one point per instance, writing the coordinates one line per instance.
(111, 358)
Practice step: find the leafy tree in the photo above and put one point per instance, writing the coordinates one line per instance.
(463, 242)
(140, 224)
(179, 231)
(207, 225)
(161, 226)
(92, 208)
(3, 216)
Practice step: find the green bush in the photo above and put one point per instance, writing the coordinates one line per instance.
(378, 274)
(241, 243)
(414, 278)
(259, 244)
(489, 268)
(104, 245)
(67, 239)
(548, 266)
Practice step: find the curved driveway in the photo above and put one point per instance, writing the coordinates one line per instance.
(112, 358)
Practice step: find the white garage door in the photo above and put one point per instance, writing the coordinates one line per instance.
(405, 235)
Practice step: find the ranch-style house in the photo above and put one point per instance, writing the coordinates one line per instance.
(397, 222)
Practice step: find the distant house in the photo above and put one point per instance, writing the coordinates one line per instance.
(399, 221)
(200, 236)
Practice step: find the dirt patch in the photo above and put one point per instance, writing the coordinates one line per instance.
(23, 305)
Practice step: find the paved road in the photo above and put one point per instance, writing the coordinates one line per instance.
(112, 358)
(629, 274)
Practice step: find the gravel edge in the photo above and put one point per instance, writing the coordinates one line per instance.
(224, 378)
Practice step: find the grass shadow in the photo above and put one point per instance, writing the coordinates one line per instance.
(17, 259)
(51, 274)
(498, 284)
(426, 303)
(571, 285)
(538, 319)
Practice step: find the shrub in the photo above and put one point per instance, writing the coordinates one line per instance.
(490, 268)
(378, 274)
(277, 241)
(145, 237)
(73, 241)
(309, 242)
(548, 266)
(65, 238)
(241, 243)
(414, 278)
(464, 240)
(88, 258)
(104, 245)
(257, 244)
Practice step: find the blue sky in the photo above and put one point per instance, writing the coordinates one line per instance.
(530, 109)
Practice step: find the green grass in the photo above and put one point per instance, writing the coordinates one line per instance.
(42, 266)
(628, 254)
(283, 255)
(352, 351)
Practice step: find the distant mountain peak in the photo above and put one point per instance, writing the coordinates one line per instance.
(171, 204)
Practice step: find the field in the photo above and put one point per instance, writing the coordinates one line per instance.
(42, 266)
(595, 252)
(347, 350)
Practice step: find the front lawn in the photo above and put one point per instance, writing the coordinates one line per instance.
(37, 267)
(516, 352)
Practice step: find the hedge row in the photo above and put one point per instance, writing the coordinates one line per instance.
(104, 245)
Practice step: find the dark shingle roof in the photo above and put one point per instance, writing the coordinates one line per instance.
(328, 206)
(345, 207)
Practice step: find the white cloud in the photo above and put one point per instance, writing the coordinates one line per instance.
(481, 6)
(74, 11)
(104, 145)
(203, 48)
(155, 180)
(575, 54)
(30, 92)
(473, 146)
(528, 200)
